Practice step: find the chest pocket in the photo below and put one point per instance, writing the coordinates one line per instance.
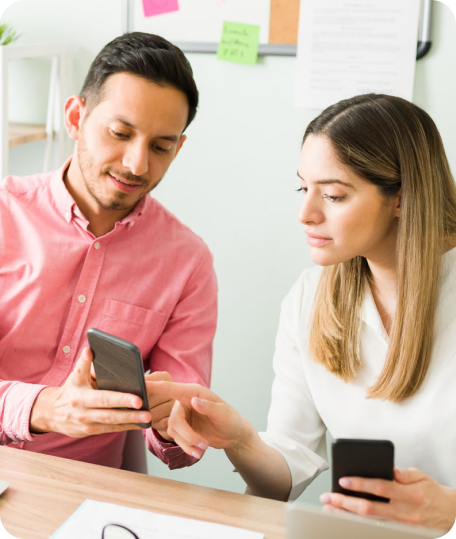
(140, 326)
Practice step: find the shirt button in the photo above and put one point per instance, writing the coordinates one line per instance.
(14, 443)
(132, 223)
(68, 216)
(97, 245)
(82, 298)
(66, 349)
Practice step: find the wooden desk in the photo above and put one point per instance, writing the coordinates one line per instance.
(44, 491)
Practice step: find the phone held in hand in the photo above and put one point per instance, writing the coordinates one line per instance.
(118, 366)
(362, 458)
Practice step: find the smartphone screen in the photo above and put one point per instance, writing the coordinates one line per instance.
(118, 366)
(362, 458)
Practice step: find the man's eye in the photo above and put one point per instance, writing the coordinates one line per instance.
(303, 189)
(118, 135)
(161, 150)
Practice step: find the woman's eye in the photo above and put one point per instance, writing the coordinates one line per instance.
(333, 198)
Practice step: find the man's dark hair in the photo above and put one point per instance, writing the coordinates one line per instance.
(145, 55)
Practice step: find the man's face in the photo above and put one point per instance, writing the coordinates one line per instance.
(127, 142)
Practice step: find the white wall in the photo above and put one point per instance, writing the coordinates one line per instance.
(233, 183)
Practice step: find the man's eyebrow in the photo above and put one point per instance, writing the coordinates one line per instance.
(329, 182)
(124, 122)
(171, 138)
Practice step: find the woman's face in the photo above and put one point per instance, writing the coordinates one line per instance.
(344, 215)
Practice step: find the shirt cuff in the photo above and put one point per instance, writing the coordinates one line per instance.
(19, 400)
(168, 452)
(304, 464)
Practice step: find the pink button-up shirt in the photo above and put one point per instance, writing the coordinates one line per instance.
(150, 281)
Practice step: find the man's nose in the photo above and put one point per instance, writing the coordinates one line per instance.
(136, 158)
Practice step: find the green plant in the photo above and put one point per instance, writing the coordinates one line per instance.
(7, 34)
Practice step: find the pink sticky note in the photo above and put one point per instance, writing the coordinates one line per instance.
(158, 7)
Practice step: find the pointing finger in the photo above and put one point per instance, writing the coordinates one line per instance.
(177, 391)
(158, 376)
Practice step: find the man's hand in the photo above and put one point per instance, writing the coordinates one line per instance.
(79, 409)
(415, 498)
(160, 405)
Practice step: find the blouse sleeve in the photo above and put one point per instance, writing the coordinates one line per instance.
(294, 424)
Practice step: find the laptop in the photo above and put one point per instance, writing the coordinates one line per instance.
(310, 522)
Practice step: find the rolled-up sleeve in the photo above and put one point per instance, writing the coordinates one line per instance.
(16, 401)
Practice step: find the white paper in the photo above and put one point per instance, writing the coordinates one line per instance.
(347, 48)
(90, 518)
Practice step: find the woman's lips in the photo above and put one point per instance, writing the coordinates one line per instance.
(124, 187)
(317, 241)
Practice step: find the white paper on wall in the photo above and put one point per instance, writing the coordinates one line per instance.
(351, 47)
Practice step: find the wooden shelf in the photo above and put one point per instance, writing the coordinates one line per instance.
(22, 133)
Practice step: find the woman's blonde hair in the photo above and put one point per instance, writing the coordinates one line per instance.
(396, 146)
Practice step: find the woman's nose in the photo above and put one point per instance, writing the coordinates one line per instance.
(309, 212)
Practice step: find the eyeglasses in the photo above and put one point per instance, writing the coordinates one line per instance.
(117, 531)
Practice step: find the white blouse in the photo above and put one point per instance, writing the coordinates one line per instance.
(307, 399)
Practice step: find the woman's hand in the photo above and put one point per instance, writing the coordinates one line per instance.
(200, 418)
(415, 498)
(160, 406)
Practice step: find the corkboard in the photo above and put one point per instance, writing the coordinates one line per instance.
(283, 26)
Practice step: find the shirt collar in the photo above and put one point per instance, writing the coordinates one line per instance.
(68, 207)
(62, 198)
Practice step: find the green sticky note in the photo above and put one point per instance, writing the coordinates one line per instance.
(239, 43)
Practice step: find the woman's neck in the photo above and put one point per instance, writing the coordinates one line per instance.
(383, 286)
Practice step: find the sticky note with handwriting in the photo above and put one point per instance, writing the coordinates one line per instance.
(239, 43)
(158, 7)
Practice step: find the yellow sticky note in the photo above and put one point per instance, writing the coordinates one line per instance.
(239, 43)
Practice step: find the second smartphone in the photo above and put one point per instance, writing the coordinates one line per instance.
(362, 458)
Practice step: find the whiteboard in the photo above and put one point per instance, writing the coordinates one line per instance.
(202, 20)
(197, 26)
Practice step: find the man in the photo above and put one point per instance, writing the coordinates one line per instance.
(86, 247)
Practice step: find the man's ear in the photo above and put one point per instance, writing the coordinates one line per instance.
(180, 144)
(74, 113)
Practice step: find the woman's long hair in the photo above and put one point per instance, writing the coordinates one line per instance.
(396, 146)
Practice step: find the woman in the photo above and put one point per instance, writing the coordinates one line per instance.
(366, 345)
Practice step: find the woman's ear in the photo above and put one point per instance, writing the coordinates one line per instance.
(74, 112)
(398, 202)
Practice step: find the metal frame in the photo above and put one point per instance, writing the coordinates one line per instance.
(423, 47)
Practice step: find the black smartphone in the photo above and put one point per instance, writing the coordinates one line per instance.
(362, 458)
(118, 366)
